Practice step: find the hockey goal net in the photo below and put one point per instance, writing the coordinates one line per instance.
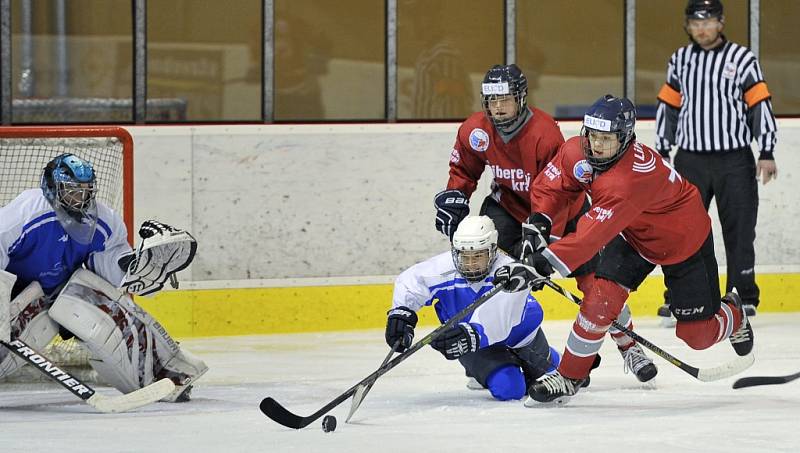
(24, 151)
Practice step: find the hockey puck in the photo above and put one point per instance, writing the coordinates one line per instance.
(329, 423)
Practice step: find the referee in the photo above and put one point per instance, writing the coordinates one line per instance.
(714, 103)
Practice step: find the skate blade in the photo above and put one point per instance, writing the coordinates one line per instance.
(558, 402)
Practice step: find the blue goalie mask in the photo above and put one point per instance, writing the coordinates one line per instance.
(69, 185)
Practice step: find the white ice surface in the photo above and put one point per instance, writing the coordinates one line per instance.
(423, 405)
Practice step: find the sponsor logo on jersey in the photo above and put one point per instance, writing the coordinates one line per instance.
(583, 171)
(552, 172)
(455, 156)
(645, 161)
(479, 140)
(63, 238)
(495, 88)
(600, 214)
(520, 179)
(598, 124)
(729, 71)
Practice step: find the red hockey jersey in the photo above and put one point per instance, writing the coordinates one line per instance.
(659, 213)
(514, 165)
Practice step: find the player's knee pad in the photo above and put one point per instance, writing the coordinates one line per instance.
(602, 305)
(31, 323)
(507, 383)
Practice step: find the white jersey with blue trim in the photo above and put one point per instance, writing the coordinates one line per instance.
(512, 319)
(35, 247)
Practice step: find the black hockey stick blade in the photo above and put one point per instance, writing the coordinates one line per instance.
(280, 414)
(363, 389)
(716, 373)
(753, 381)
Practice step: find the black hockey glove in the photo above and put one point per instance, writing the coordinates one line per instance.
(451, 208)
(515, 277)
(535, 236)
(400, 326)
(461, 339)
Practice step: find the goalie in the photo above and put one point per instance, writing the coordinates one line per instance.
(66, 267)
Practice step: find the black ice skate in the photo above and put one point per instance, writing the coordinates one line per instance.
(553, 389)
(750, 310)
(638, 362)
(664, 314)
(741, 338)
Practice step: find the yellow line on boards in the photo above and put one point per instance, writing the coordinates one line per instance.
(219, 312)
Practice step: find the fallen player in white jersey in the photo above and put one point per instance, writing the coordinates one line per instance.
(67, 268)
(500, 345)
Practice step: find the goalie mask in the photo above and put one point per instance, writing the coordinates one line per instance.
(69, 185)
(474, 247)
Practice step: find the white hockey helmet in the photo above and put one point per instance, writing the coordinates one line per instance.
(475, 247)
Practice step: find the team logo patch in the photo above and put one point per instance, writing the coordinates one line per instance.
(583, 171)
(479, 140)
(455, 156)
(729, 71)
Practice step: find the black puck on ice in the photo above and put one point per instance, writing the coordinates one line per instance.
(329, 423)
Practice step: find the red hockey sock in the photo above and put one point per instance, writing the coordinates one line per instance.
(705, 333)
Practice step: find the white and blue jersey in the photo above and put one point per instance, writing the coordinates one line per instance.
(512, 319)
(35, 247)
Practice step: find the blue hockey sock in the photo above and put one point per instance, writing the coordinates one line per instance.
(507, 383)
(555, 359)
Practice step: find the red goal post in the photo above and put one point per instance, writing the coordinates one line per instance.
(25, 150)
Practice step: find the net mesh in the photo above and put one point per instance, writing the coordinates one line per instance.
(21, 163)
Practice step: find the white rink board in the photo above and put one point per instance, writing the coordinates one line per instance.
(423, 405)
(316, 201)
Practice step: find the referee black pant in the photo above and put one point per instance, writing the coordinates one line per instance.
(730, 178)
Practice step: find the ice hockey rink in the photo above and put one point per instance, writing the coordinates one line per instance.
(423, 404)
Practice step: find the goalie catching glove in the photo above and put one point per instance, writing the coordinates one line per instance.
(162, 252)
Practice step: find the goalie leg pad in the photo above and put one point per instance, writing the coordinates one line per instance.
(7, 280)
(111, 336)
(31, 323)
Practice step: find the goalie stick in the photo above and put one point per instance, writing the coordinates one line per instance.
(107, 404)
(362, 390)
(753, 381)
(280, 414)
(723, 371)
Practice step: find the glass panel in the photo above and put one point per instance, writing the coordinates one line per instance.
(659, 32)
(780, 53)
(329, 59)
(204, 57)
(444, 48)
(571, 51)
(69, 66)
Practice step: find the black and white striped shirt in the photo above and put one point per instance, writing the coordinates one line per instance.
(715, 100)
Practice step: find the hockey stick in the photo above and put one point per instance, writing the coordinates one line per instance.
(362, 390)
(122, 403)
(723, 371)
(752, 381)
(280, 414)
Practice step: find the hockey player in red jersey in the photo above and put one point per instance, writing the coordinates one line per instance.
(643, 214)
(516, 141)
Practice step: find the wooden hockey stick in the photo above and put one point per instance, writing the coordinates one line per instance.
(280, 414)
(107, 404)
(752, 381)
(723, 371)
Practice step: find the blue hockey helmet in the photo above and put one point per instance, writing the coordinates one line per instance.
(609, 114)
(501, 81)
(69, 185)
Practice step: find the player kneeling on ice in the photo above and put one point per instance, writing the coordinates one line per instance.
(66, 267)
(500, 345)
(643, 214)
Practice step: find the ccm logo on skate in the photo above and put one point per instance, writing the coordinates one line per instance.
(689, 311)
(51, 369)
